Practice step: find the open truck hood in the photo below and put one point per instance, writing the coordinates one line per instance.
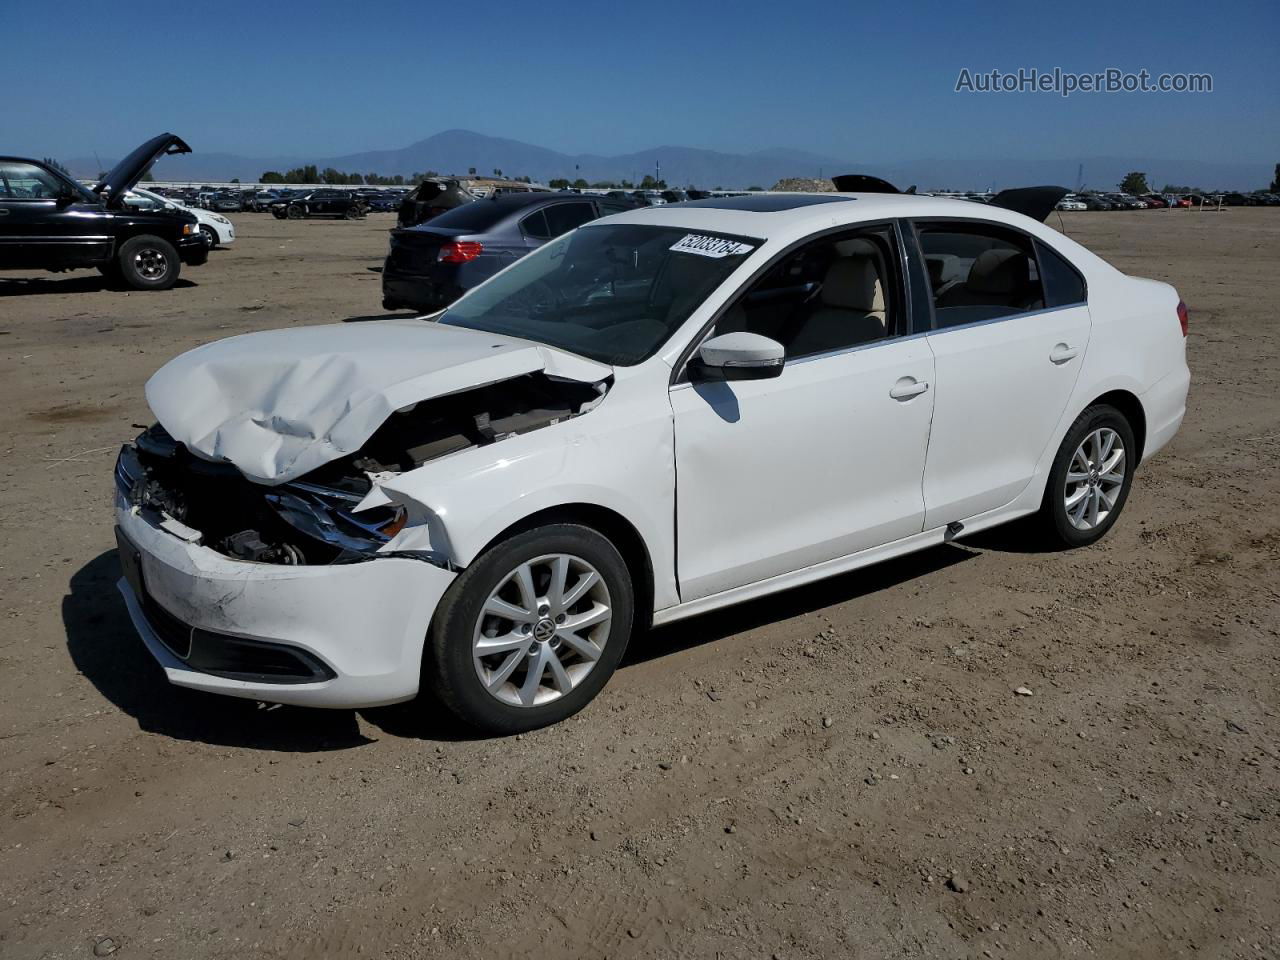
(124, 176)
(280, 403)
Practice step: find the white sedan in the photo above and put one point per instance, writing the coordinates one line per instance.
(662, 413)
(216, 229)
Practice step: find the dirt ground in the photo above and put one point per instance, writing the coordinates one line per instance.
(839, 771)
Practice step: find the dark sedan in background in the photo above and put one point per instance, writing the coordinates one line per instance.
(433, 264)
(320, 203)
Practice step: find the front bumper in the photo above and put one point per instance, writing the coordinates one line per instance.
(192, 251)
(365, 623)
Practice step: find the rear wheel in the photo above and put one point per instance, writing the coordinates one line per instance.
(531, 632)
(210, 238)
(352, 213)
(148, 263)
(1090, 478)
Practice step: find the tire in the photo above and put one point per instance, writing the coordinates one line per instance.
(210, 238)
(351, 213)
(277, 213)
(148, 263)
(1081, 501)
(452, 669)
(294, 212)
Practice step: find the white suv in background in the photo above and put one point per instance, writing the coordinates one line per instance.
(216, 229)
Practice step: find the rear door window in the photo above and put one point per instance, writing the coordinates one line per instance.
(979, 272)
(563, 217)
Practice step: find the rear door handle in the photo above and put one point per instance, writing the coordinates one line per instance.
(4, 213)
(1062, 353)
(908, 387)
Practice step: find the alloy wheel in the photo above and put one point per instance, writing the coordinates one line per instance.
(1095, 478)
(542, 630)
(150, 263)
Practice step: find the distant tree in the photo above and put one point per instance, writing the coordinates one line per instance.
(1174, 188)
(601, 185)
(628, 185)
(1275, 181)
(523, 180)
(148, 177)
(755, 188)
(271, 176)
(559, 183)
(50, 162)
(1135, 182)
(497, 171)
(471, 171)
(580, 184)
(235, 180)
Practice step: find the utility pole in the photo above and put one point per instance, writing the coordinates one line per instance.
(657, 170)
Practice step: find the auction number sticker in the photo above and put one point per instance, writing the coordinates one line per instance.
(705, 246)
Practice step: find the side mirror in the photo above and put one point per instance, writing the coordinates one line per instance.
(66, 196)
(737, 356)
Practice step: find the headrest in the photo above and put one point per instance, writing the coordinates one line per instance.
(852, 283)
(1000, 272)
(857, 247)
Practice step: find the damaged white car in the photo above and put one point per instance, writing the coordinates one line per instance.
(661, 413)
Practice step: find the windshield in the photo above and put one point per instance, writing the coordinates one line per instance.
(610, 292)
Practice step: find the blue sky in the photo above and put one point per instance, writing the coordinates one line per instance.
(857, 81)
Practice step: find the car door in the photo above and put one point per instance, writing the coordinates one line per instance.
(825, 460)
(1009, 325)
(45, 223)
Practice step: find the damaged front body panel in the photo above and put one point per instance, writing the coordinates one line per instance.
(280, 403)
(333, 513)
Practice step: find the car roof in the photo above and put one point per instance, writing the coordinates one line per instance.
(796, 214)
(526, 198)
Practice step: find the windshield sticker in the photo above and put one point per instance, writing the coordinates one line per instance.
(710, 246)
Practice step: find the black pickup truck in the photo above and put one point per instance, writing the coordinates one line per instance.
(48, 221)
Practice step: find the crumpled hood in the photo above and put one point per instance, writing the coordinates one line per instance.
(280, 403)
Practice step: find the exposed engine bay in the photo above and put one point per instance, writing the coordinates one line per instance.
(313, 519)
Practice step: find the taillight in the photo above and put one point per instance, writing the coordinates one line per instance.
(462, 252)
(1182, 316)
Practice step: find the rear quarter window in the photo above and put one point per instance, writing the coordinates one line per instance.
(1063, 284)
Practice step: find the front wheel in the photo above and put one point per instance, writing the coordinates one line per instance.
(1090, 478)
(294, 212)
(148, 263)
(531, 632)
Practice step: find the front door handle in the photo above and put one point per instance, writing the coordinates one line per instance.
(4, 213)
(908, 387)
(1062, 353)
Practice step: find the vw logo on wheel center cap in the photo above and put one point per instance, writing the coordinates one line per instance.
(544, 629)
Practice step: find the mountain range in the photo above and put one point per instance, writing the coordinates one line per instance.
(457, 151)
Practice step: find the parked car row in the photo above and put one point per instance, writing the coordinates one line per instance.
(1150, 201)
